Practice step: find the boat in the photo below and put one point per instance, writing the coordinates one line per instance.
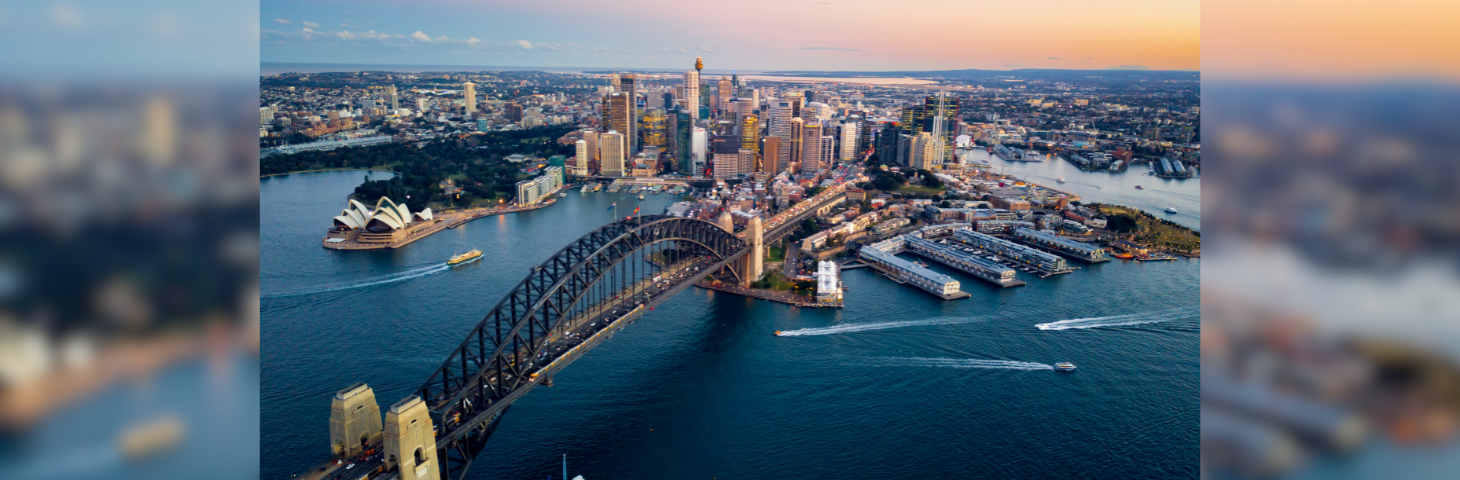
(586, 188)
(1064, 366)
(1123, 255)
(465, 257)
(778, 333)
(1138, 187)
(1170, 209)
(641, 195)
(1061, 179)
(562, 194)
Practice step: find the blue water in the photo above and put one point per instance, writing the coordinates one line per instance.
(1113, 188)
(898, 384)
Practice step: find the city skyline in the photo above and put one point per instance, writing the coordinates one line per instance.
(839, 35)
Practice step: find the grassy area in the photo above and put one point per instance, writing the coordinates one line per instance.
(774, 280)
(776, 254)
(377, 168)
(1155, 231)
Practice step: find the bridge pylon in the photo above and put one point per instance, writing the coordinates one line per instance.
(410, 441)
(354, 420)
(753, 264)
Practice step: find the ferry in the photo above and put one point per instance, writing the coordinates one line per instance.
(1064, 367)
(465, 257)
(1170, 209)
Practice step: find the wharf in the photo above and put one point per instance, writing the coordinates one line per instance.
(774, 296)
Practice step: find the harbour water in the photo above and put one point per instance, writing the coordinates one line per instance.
(898, 384)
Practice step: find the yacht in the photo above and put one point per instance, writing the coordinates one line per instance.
(1064, 366)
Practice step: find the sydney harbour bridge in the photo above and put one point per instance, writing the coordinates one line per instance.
(572, 302)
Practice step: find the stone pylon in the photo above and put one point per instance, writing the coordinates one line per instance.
(410, 441)
(354, 421)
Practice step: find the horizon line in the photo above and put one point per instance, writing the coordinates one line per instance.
(262, 62)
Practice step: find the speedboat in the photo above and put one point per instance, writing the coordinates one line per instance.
(1170, 209)
(778, 333)
(1064, 366)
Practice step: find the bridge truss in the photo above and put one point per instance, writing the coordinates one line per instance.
(621, 269)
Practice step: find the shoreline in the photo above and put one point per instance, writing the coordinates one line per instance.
(342, 169)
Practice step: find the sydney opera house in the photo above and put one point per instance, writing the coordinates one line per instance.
(387, 223)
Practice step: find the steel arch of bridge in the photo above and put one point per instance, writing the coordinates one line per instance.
(496, 362)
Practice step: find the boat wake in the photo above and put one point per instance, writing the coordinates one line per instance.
(863, 327)
(959, 363)
(1122, 320)
(381, 280)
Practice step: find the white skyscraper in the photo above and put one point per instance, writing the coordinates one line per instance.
(778, 124)
(581, 160)
(697, 141)
(611, 153)
(692, 93)
(811, 147)
(849, 141)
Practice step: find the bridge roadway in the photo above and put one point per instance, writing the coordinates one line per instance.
(786, 222)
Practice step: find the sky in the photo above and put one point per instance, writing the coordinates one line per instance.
(747, 35)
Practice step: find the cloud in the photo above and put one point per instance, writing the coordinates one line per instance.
(281, 21)
(1089, 58)
(474, 41)
(526, 45)
(706, 49)
(683, 50)
(1129, 67)
(421, 36)
(833, 48)
(1053, 58)
(311, 24)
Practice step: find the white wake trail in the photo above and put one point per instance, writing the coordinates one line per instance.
(392, 278)
(959, 363)
(862, 327)
(1122, 320)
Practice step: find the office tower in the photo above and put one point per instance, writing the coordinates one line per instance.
(671, 138)
(735, 80)
(779, 125)
(619, 116)
(816, 111)
(726, 157)
(771, 161)
(923, 152)
(938, 150)
(828, 149)
(849, 140)
(582, 159)
(691, 99)
(887, 144)
(912, 120)
(864, 134)
(394, 98)
(798, 128)
(654, 129)
(469, 93)
(724, 92)
(744, 107)
(421, 103)
(905, 144)
(811, 147)
(683, 128)
(697, 152)
(612, 153)
(591, 136)
(750, 134)
(940, 111)
(796, 103)
(512, 111)
(628, 85)
(746, 165)
(668, 100)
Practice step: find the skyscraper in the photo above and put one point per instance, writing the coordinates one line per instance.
(779, 125)
(618, 115)
(611, 153)
(654, 129)
(512, 111)
(849, 140)
(727, 157)
(798, 130)
(691, 98)
(771, 161)
(469, 93)
(684, 126)
(591, 136)
(923, 154)
(697, 152)
(828, 148)
(394, 98)
(750, 133)
(724, 92)
(582, 159)
(811, 147)
(746, 165)
(628, 83)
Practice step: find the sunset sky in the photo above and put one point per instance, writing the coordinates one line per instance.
(740, 34)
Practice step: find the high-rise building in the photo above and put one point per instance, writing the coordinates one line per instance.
(779, 125)
(582, 159)
(724, 92)
(727, 157)
(746, 165)
(811, 147)
(619, 116)
(612, 153)
(697, 151)
(394, 98)
(798, 130)
(828, 149)
(887, 144)
(691, 97)
(744, 107)
(923, 153)
(849, 140)
(668, 100)
(771, 161)
(469, 93)
(628, 84)
(591, 136)
(750, 133)
(654, 129)
(905, 144)
(512, 111)
(683, 128)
